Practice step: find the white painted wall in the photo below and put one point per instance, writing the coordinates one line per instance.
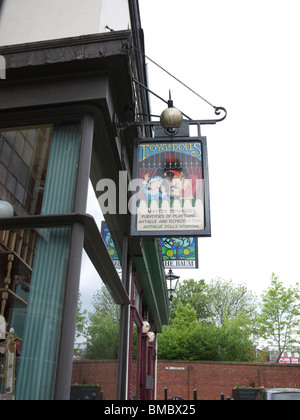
(23, 21)
(115, 14)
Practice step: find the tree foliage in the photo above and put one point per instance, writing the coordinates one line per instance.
(193, 293)
(81, 319)
(210, 322)
(278, 322)
(216, 301)
(188, 339)
(102, 332)
(230, 301)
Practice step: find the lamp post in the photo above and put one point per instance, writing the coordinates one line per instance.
(146, 327)
(173, 280)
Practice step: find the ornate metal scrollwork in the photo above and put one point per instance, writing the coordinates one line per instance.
(218, 111)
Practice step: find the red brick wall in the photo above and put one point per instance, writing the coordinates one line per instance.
(104, 373)
(209, 378)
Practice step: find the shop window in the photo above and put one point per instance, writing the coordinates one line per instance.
(24, 154)
(15, 280)
(98, 324)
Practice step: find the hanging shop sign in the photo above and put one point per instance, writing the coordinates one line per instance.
(173, 198)
(106, 235)
(180, 252)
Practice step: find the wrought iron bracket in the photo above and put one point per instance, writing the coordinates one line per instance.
(120, 126)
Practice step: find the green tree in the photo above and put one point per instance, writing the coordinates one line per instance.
(193, 293)
(212, 321)
(230, 301)
(236, 340)
(278, 322)
(216, 301)
(103, 330)
(81, 321)
(175, 341)
(188, 339)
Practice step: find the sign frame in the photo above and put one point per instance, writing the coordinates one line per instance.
(180, 144)
(180, 244)
(111, 249)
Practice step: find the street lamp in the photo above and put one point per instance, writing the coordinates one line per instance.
(6, 210)
(146, 327)
(173, 280)
(151, 337)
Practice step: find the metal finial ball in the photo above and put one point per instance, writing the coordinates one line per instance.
(171, 118)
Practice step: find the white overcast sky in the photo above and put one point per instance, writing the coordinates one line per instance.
(242, 55)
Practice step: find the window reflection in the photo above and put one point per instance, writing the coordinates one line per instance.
(24, 155)
(96, 347)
